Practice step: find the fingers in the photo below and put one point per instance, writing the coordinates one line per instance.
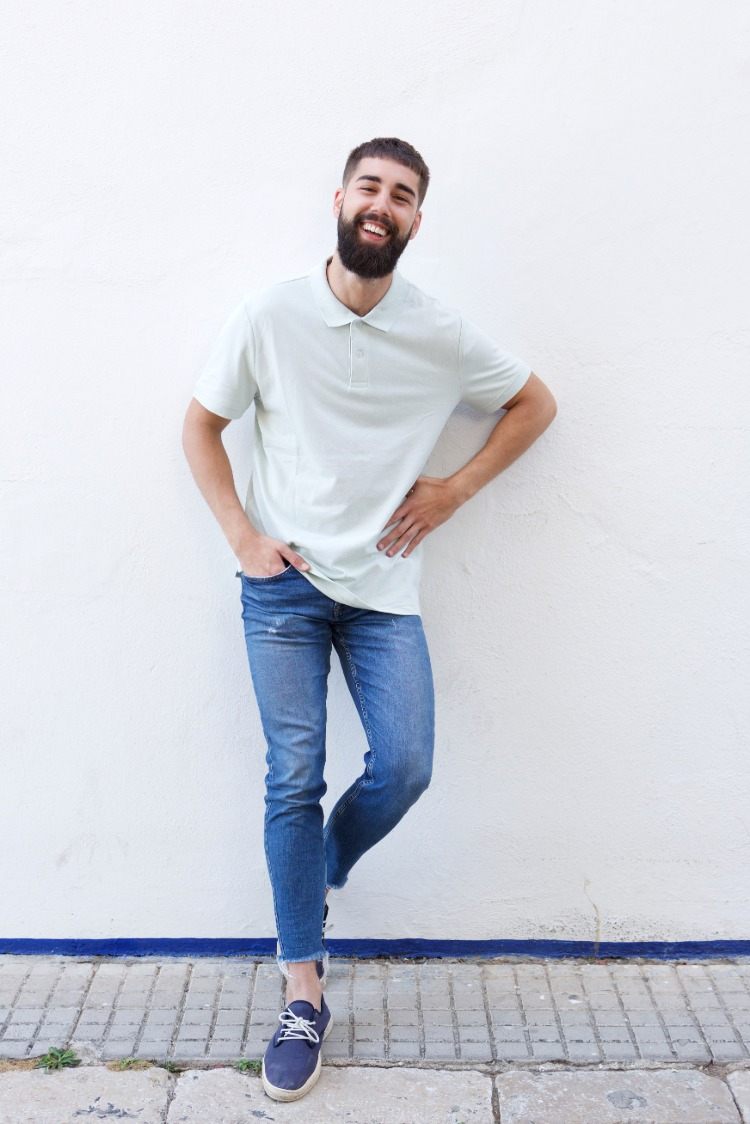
(296, 559)
(402, 509)
(399, 513)
(407, 542)
(393, 542)
(415, 541)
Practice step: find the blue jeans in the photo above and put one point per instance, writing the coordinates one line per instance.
(290, 628)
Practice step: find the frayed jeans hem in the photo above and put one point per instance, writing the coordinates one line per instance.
(284, 962)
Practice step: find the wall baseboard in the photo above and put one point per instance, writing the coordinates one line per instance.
(369, 948)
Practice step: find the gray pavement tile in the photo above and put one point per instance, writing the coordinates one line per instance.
(583, 1052)
(739, 1083)
(353, 1095)
(161, 1017)
(117, 1048)
(512, 1052)
(636, 1096)
(440, 1051)
(370, 1051)
(693, 1052)
(15, 1050)
(87, 1092)
(402, 1052)
(621, 1052)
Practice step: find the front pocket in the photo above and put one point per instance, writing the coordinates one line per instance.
(267, 577)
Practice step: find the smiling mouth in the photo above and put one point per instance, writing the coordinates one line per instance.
(374, 230)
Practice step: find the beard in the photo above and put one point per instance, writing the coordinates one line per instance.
(366, 259)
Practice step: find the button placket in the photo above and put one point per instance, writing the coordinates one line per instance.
(359, 370)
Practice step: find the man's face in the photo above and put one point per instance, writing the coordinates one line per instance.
(377, 216)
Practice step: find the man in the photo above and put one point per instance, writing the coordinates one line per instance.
(354, 372)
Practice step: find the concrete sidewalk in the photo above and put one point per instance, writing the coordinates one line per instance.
(553, 1041)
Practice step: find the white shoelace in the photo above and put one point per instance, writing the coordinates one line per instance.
(294, 1026)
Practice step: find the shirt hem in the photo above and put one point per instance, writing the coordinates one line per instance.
(345, 596)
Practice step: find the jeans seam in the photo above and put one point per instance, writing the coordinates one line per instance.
(268, 860)
(368, 734)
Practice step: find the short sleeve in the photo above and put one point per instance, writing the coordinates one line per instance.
(226, 385)
(489, 375)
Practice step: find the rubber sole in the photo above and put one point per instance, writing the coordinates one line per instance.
(277, 1094)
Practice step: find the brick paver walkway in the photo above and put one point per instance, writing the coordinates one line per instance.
(204, 1011)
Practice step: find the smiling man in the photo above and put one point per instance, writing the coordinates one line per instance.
(353, 372)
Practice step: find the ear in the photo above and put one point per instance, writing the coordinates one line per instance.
(416, 225)
(338, 200)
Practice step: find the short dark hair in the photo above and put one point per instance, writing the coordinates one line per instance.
(392, 149)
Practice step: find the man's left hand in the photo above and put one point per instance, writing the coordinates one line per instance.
(428, 503)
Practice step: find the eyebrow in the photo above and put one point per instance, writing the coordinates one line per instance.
(400, 186)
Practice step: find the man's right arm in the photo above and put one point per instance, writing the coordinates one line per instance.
(258, 554)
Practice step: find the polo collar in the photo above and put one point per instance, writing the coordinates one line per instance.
(335, 313)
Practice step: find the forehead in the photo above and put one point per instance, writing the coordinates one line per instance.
(389, 171)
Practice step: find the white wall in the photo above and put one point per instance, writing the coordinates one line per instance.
(586, 612)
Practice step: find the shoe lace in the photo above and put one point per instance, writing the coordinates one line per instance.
(295, 1026)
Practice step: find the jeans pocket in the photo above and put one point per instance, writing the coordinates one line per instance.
(267, 577)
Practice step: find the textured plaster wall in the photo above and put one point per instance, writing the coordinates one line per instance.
(587, 611)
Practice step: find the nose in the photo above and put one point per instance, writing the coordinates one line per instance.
(381, 205)
(380, 209)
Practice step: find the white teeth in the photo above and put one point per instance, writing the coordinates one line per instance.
(373, 228)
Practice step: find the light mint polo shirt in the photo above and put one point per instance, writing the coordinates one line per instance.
(347, 411)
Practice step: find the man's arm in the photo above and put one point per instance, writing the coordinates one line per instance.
(432, 500)
(258, 554)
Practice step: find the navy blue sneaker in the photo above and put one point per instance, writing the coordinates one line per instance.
(291, 1063)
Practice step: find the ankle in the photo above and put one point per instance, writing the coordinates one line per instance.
(311, 994)
(303, 983)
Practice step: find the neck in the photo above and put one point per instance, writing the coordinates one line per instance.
(360, 294)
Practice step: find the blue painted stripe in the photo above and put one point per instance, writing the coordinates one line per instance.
(376, 947)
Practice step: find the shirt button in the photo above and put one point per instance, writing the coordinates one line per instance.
(360, 354)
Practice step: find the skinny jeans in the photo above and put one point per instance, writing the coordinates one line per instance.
(291, 628)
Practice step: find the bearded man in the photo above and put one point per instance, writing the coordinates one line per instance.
(353, 372)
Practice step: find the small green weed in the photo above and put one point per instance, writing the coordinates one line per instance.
(57, 1059)
(249, 1065)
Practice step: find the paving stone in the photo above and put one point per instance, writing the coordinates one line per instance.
(401, 1096)
(401, 1052)
(161, 1017)
(402, 1017)
(87, 1092)
(548, 1052)
(15, 1031)
(625, 1097)
(369, 1051)
(438, 1051)
(153, 1048)
(118, 1048)
(475, 1052)
(619, 1052)
(691, 1050)
(739, 1083)
(234, 1015)
(508, 1048)
(93, 1018)
(14, 1050)
(583, 1052)
(61, 1015)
